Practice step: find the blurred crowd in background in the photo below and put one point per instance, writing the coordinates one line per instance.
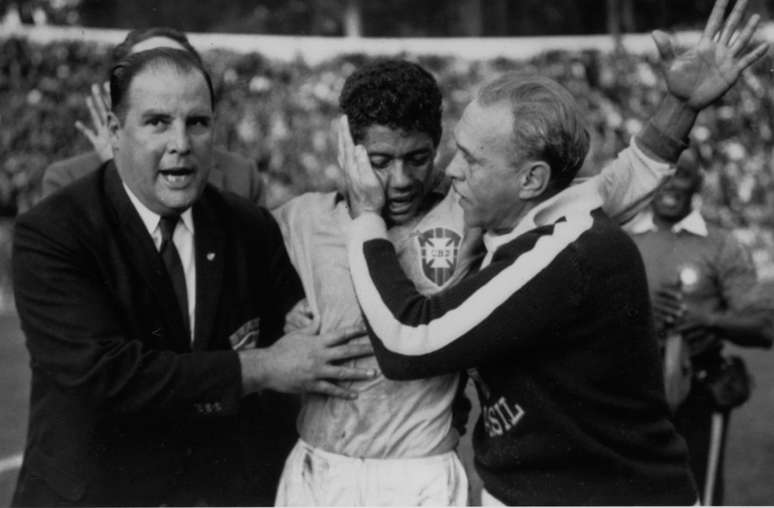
(279, 114)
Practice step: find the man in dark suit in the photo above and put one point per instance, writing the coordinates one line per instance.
(229, 171)
(134, 286)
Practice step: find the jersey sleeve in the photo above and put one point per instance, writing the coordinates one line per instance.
(627, 184)
(509, 306)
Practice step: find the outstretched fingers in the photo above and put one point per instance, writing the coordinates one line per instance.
(346, 145)
(362, 175)
(90, 135)
(664, 45)
(338, 123)
(97, 119)
(739, 43)
(715, 19)
(99, 102)
(733, 20)
(753, 56)
(347, 149)
(106, 94)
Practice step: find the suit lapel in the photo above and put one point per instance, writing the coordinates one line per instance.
(209, 245)
(142, 254)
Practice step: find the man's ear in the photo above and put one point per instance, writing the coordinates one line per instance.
(114, 127)
(535, 179)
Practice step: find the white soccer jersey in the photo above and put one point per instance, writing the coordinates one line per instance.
(389, 419)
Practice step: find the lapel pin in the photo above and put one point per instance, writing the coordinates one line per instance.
(210, 256)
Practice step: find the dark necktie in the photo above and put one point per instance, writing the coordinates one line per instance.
(171, 259)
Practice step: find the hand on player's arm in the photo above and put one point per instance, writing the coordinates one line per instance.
(364, 190)
(303, 361)
(98, 103)
(698, 76)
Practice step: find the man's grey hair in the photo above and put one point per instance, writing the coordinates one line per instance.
(547, 122)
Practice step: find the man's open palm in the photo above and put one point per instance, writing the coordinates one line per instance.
(703, 73)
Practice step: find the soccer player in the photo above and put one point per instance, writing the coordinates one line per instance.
(714, 303)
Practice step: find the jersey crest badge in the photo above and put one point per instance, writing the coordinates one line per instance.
(439, 248)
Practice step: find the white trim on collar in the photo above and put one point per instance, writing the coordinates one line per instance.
(578, 198)
(151, 219)
(692, 223)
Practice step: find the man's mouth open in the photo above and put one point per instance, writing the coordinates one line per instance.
(177, 177)
(400, 204)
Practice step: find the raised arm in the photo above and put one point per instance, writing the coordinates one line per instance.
(695, 78)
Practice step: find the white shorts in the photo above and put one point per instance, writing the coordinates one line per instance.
(313, 477)
(488, 499)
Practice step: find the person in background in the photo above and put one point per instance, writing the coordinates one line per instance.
(704, 290)
(230, 172)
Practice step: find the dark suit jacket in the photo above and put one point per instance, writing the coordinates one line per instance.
(229, 172)
(123, 409)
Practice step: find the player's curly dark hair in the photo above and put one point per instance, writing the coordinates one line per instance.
(394, 93)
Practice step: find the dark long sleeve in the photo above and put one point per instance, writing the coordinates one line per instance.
(531, 288)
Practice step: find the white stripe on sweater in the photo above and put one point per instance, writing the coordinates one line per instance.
(442, 331)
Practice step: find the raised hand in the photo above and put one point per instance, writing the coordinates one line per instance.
(304, 362)
(703, 73)
(364, 190)
(98, 103)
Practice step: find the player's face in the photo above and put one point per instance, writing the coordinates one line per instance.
(163, 146)
(485, 170)
(673, 201)
(403, 161)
